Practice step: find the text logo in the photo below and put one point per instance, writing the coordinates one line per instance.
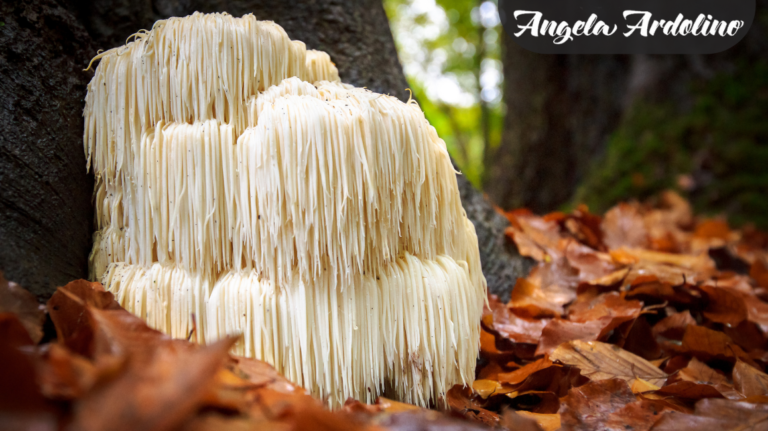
(626, 26)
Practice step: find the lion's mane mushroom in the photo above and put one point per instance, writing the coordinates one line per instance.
(241, 187)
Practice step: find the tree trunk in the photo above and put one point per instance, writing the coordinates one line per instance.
(563, 109)
(355, 34)
(45, 194)
(560, 109)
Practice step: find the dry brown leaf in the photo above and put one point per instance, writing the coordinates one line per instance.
(749, 381)
(590, 263)
(547, 422)
(606, 305)
(485, 388)
(708, 344)
(559, 331)
(461, 401)
(697, 380)
(698, 263)
(529, 300)
(624, 226)
(512, 326)
(526, 246)
(15, 299)
(725, 305)
(717, 414)
(759, 272)
(518, 376)
(608, 405)
(601, 361)
(639, 386)
(673, 326)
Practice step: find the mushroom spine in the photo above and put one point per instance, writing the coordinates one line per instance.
(239, 182)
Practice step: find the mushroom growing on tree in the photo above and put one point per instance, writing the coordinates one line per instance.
(241, 188)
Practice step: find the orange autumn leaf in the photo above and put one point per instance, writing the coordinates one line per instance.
(759, 272)
(713, 229)
(750, 381)
(724, 305)
(707, 344)
(717, 414)
(512, 326)
(529, 300)
(610, 305)
(699, 373)
(519, 375)
(673, 326)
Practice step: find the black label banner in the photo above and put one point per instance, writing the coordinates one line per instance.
(626, 26)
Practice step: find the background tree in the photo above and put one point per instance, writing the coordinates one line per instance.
(601, 129)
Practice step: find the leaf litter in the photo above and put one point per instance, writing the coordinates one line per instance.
(648, 318)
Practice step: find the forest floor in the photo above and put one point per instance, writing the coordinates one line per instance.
(647, 318)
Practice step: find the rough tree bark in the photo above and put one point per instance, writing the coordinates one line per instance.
(355, 34)
(560, 109)
(45, 194)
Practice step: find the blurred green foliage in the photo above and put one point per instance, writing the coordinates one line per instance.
(716, 152)
(451, 57)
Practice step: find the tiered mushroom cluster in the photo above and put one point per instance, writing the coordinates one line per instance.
(241, 188)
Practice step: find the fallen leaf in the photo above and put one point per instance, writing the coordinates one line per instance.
(15, 299)
(545, 402)
(165, 385)
(699, 373)
(526, 246)
(427, 420)
(460, 401)
(12, 331)
(546, 422)
(749, 381)
(724, 306)
(759, 272)
(717, 414)
(689, 390)
(486, 388)
(529, 300)
(673, 326)
(610, 305)
(559, 331)
(600, 361)
(713, 229)
(624, 226)
(639, 386)
(20, 394)
(590, 263)
(392, 406)
(512, 326)
(518, 376)
(698, 263)
(707, 344)
(67, 308)
(63, 375)
(658, 292)
(607, 405)
(640, 340)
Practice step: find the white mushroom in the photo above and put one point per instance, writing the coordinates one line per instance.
(323, 222)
